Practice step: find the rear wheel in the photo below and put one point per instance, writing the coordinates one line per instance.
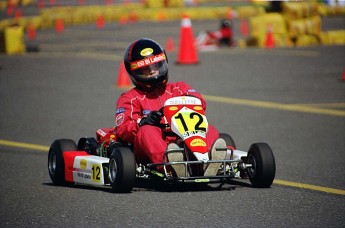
(56, 164)
(122, 168)
(263, 169)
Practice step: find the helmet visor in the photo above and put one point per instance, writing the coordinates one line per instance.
(150, 67)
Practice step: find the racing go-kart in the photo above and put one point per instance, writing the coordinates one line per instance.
(107, 160)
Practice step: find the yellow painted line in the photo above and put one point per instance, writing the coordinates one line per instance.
(85, 45)
(268, 52)
(329, 105)
(110, 57)
(296, 53)
(24, 145)
(86, 55)
(278, 182)
(274, 105)
(310, 187)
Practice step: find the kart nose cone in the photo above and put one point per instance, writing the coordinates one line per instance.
(201, 156)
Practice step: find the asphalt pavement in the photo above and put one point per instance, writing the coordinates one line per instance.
(293, 99)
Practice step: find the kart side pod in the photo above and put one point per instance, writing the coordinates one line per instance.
(67, 165)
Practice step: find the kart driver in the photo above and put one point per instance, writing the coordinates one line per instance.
(208, 40)
(137, 115)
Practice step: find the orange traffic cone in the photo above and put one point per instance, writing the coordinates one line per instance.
(187, 52)
(100, 22)
(161, 16)
(40, 4)
(123, 78)
(59, 25)
(31, 32)
(133, 17)
(244, 27)
(170, 44)
(269, 37)
(18, 14)
(10, 10)
(123, 20)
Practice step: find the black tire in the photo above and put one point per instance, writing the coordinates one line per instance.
(122, 168)
(56, 164)
(263, 169)
(228, 139)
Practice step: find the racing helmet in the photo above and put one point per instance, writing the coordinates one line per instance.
(225, 23)
(147, 64)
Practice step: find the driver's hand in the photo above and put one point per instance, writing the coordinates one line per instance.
(153, 118)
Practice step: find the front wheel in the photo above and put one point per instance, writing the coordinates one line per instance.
(228, 139)
(122, 169)
(263, 169)
(56, 164)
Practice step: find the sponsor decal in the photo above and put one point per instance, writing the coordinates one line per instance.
(182, 101)
(120, 110)
(202, 180)
(146, 112)
(197, 142)
(198, 108)
(101, 132)
(119, 119)
(146, 52)
(187, 100)
(147, 61)
(83, 164)
(173, 108)
(191, 90)
(84, 175)
(194, 133)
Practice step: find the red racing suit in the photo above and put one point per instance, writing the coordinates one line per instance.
(150, 142)
(223, 36)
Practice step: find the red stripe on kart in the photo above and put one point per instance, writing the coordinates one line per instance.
(69, 157)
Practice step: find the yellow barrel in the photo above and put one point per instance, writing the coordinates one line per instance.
(13, 40)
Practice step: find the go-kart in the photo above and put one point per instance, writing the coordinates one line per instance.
(108, 160)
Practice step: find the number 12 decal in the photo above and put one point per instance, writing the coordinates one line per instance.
(96, 173)
(197, 126)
